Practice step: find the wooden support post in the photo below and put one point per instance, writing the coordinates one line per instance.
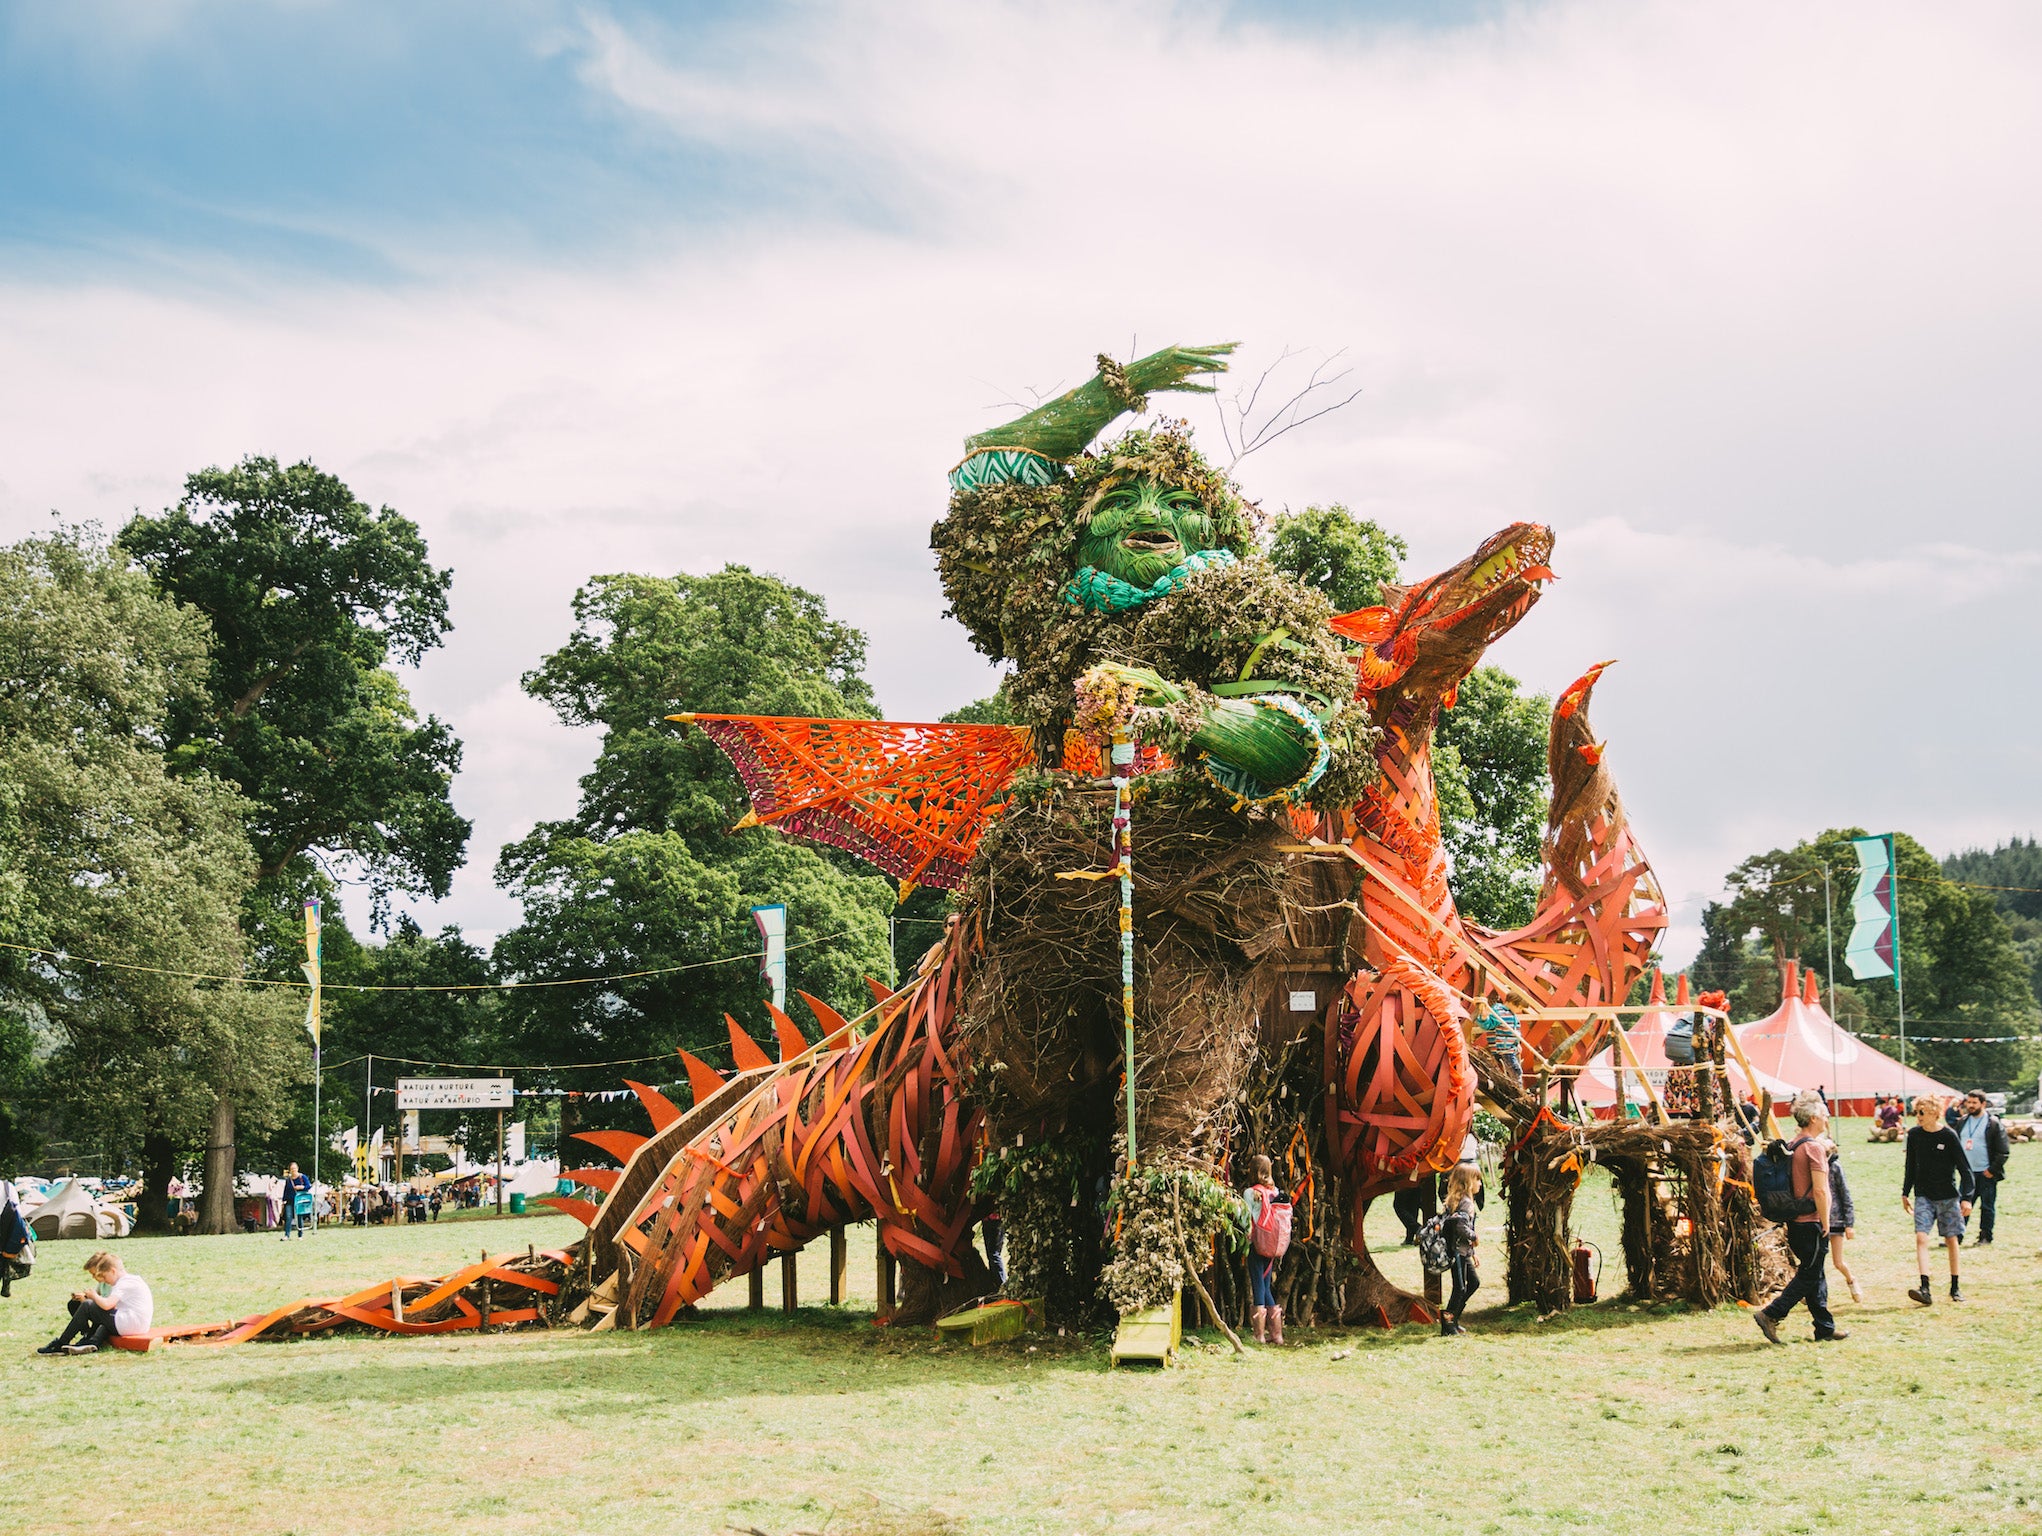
(488, 1295)
(840, 1265)
(1616, 1066)
(889, 1269)
(397, 1300)
(1651, 1093)
(1760, 1096)
(755, 1301)
(790, 1297)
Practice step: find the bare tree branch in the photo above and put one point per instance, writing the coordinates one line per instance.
(1244, 433)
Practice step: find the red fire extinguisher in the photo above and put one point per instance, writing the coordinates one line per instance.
(1584, 1281)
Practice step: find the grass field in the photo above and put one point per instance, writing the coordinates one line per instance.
(1639, 1420)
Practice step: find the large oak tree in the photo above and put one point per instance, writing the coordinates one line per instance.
(108, 856)
(311, 594)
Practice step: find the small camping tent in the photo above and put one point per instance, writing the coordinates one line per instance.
(74, 1211)
(1800, 1043)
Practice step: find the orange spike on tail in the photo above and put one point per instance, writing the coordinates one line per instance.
(1658, 986)
(792, 1041)
(663, 1110)
(604, 1179)
(1680, 999)
(581, 1210)
(744, 1048)
(703, 1079)
(879, 989)
(1809, 994)
(835, 1027)
(619, 1144)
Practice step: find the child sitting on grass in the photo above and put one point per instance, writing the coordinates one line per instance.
(120, 1305)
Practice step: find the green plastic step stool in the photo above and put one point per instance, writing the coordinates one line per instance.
(1151, 1335)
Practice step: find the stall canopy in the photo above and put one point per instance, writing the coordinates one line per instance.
(1597, 1087)
(1800, 1043)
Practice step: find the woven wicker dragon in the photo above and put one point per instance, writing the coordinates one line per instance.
(1251, 774)
(1282, 789)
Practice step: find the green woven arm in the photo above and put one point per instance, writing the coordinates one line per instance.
(1260, 747)
(1061, 429)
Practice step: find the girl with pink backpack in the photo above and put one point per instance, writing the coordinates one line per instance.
(1268, 1237)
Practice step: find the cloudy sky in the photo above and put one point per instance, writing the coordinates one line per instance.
(1741, 298)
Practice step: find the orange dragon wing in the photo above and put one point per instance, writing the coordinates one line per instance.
(912, 799)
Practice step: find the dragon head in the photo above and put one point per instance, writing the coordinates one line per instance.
(1425, 637)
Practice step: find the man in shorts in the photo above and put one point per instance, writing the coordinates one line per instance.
(1936, 1189)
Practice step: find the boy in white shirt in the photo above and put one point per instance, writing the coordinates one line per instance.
(125, 1308)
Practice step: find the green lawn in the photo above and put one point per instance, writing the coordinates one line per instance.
(1644, 1421)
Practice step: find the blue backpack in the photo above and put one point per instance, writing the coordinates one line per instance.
(1772, 1180)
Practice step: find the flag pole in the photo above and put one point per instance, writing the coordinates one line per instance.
(1829, 933)
(1829, 944)
(1899, 983)
(312, 1023)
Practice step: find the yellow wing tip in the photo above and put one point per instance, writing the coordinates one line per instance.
(749, 819)
(684, 719)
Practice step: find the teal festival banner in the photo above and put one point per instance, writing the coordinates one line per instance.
(1870, 950)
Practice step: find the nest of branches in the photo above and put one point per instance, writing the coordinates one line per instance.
(1279, 1114)
(1689, 1223)
(1041, 1016)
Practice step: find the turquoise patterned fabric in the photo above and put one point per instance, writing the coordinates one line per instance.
(1097, 592)
(1004, 466)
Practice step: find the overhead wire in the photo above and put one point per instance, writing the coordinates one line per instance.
(65, 957)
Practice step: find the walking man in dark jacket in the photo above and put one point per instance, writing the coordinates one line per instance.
(1807, 1235)
(1984, 1140)
(1935, 1189)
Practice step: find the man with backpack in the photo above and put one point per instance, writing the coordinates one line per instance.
(1791, 1179)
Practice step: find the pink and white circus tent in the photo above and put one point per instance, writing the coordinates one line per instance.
(1800, 1043)
(1597, 1085)
(1797, 1046)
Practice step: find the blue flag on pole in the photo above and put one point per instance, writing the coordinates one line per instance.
(1870, 950)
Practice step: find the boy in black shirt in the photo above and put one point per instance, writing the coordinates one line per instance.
(1936, 1189)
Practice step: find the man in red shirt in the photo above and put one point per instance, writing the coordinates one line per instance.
(1808, 1234)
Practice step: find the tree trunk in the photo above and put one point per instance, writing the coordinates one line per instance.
(927, 1294)
(1370, 1295)
(159, 1167)
(216, 1211)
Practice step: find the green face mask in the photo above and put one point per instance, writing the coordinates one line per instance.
(1142, 530)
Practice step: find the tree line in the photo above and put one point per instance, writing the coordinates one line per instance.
(1970, 954)
(202, 725)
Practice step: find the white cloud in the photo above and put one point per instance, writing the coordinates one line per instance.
(1738, 298)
